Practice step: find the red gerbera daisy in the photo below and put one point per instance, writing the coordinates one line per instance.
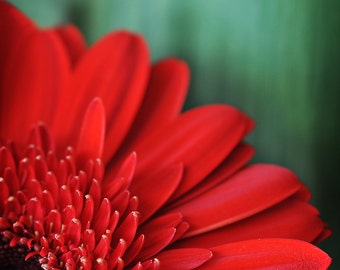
(100, 170)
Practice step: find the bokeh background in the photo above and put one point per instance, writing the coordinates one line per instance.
(277, 60)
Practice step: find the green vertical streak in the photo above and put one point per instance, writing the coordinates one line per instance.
(326, 40)
(254, 54)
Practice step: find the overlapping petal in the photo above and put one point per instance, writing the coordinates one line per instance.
(229, 202)
(115, 69)
(202, 137)
(235, 161)
(162, 102)
(291, 218)
(281, 254)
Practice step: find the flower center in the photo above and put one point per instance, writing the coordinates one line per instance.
(14, 257)
(55, 214)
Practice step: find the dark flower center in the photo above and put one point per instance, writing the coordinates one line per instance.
(14, 257)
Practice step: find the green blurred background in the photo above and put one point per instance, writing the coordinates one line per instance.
(277, 60)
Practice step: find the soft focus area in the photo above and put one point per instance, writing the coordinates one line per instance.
(275, 60)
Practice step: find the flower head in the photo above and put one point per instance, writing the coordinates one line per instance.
(100, 169)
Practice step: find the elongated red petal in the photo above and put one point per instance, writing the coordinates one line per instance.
(127, 229)
(182, 259)
(88, 211)
(153, 197)
(4, 194)
(230, 165)
(6, 160)
(91, 138)
(155, 241)
(163, 221)
(133, 250)
(73, 231)
(115, 69)
(290, 219)
(53, 222)
(229, 202)
(120, 179)
(202, 137)
(102, 218)
(280, 254)
(162, 102)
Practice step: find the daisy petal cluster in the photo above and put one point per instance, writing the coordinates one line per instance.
(100, 168)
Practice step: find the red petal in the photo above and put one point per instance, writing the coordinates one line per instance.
(39, 136)
(73, 231)
(248, 192)
(78, 201)
(155, 195)
(230, 165)
(34, 210)
(102, 247)
(116, 70)
(4, 192)
(181, 259)
(121, 202)
(47, 201)
(152, 264)
(119, 180)
(102, 218)
(6, 160)
(181, 229)
(268, 254)
(52, 186)
(113, 221)
(155, 241)
(53, 222)
(127, 229)
(200, 139)
(40, 167)
(32, 83)
(95, 193)
(91, 138)
(99, 264)
(15, 27)
(134, 249)
(68, 214)
(289, 219)
(127, 169)
(12, 205)
(117, 253)
(163, 99)
(65, 197)
(89, 240)
(323, 235)
(73, 41)
(12, 180)
(87, 214)
(164, 221)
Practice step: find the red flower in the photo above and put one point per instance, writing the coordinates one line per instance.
(100, 169)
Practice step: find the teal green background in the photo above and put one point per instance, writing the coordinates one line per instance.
(277, 60)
